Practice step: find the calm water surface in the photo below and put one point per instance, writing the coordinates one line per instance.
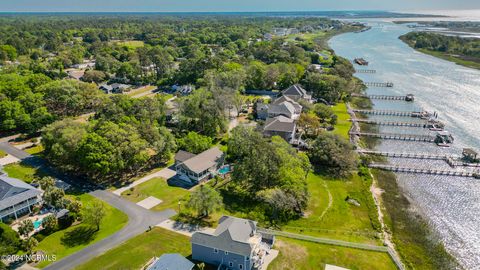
(451, 204)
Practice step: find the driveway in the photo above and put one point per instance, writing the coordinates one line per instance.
(165, 173)
(139, 220)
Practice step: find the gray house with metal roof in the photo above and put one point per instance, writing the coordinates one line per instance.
(171, 261)
(16, 198)
(296, 92)
(234, 245)
(198, 167)
(280, 126)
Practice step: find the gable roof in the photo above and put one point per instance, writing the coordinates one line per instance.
(232, 235)
(282, 99)
(14, 191)
(182, 156)
(171, 261)
(204, 160)
(279, 123)
(295, 90)
(285, 108)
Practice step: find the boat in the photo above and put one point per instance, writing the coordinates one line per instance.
(443, 139)
(360, 61)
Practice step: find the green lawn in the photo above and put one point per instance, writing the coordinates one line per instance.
(303, 255)
(131, 44)
(342, 220)
(158, 187)
(2, 154)
(134, 253)
(35, 150)
(141, 90)
(75, 238)
(343, 124)
(21, 171)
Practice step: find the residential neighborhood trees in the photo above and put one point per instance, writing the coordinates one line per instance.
(205, 200)
(93, 214)
(333, 155)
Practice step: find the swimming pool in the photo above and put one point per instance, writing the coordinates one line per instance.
(37, 224)
(224, 170)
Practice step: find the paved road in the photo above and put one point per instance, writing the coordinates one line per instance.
(139, 221)
(139, 218)
(9, 149)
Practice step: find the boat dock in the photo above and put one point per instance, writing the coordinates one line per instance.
(423, 114)
(395, 136)
(408, 97)
(407, 155)
(379, 84)
(427, 124)
(367, 71)
(423, 171)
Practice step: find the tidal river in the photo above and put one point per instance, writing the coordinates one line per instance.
(450, 204)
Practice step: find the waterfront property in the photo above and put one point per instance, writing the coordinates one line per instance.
(283, 105)
(296, 92)
(235, 244)
(17, 198)
(170, 261)
(196, 168)
(280, 126)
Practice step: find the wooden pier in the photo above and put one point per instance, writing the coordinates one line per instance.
(386, 97)
(379, 84)
(395, 136)
(426, 124)
(406, 155)
(367, 71)
(423, 114)
(423, 171)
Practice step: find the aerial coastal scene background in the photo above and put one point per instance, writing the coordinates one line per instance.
(239, 135)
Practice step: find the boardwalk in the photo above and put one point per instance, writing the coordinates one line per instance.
(392, 123)
(423, 114)
(407, 155)
(395, 136)
(385, 97)
(379, 84)
(367, 71)
(402, 169)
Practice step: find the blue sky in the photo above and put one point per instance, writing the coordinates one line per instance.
(231, 5)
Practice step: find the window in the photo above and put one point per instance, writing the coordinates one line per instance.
(240, 266)
(230, 264)
(226, 252)
(215, 250)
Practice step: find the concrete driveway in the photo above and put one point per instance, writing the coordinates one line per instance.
(165, 173)
(139, 220)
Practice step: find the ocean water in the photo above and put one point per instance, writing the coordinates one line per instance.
(450, 204)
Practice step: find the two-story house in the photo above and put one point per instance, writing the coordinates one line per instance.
(196, 168)
(234, 245)
(17, 198)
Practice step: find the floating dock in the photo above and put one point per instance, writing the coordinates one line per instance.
(423, 114)
(379, 84)
(395, 136)
(408, 97)
(423, 171)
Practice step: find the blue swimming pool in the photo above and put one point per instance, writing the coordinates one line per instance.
(224, 170)
(37, 223)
